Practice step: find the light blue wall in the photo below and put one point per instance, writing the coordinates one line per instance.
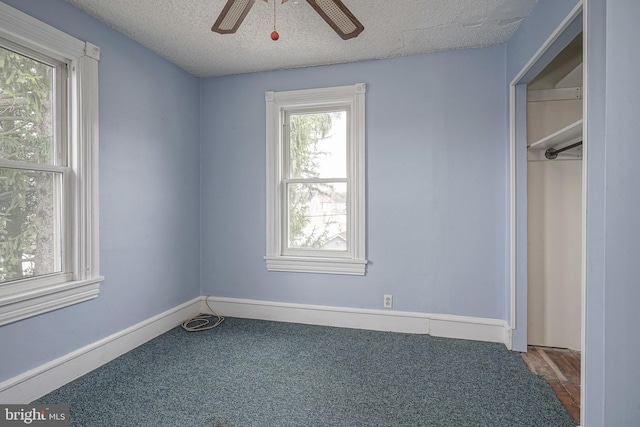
(613, 293)
(149, 196)
(545, 17)
(436, 185)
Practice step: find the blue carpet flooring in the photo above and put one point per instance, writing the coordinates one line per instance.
(257, 373)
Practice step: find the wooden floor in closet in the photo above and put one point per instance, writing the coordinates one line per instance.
(561, 368)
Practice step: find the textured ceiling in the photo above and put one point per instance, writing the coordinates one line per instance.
(180, 31)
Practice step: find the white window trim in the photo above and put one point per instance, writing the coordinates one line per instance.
(276, 103)
(30, 297)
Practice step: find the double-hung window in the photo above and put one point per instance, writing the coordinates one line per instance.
(316, 180)
(48, 168)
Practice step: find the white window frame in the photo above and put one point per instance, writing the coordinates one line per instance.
(80, 281)
(353, 261)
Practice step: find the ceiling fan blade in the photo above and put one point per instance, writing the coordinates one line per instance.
(338, 17)
(232, 16)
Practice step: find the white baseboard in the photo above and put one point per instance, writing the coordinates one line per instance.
(44, 379)
(440, 325)
(37, 382)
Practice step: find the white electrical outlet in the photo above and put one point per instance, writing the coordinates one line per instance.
(388, 301)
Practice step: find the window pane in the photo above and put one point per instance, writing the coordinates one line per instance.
(318, 145)
(317, 216)
(26, 109)
(30, 208)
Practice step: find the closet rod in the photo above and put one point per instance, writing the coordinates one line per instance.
(552, 153)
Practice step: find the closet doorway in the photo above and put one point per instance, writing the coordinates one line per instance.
(554, 201)
(554, 133)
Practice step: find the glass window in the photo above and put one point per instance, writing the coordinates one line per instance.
(31, 198)
(316, 185)
(315, 194)
(49, 249)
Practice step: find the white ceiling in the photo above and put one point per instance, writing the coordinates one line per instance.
(180, 31)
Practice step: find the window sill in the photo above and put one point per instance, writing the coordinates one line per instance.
(43, 298)
(354, 267)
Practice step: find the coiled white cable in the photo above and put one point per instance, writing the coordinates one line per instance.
(202, 321)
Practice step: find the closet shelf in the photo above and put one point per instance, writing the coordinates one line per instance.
(565, 136)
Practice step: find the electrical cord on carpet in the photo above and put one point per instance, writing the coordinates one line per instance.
(203, 321)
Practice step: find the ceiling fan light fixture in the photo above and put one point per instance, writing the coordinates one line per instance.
(232, 16)
(338, 17)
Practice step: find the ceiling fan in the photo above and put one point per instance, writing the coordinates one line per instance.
(334, 12)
